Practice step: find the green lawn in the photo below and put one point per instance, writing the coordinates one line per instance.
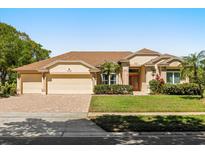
(153, 103)
(150, 123)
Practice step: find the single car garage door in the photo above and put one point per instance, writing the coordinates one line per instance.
(69, 84)
(31, 83)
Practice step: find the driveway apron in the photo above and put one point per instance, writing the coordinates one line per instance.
(35, 115)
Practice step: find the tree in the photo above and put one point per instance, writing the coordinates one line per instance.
(17, 49)
(110, 67)
(193, 67)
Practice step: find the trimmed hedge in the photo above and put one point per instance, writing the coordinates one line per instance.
(7, 89)
(157, 86)
(113, 89)
(181, 89)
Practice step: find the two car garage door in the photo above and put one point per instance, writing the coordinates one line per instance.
(69, 85)
(58, 84)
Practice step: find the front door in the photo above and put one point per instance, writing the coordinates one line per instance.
(134, 82)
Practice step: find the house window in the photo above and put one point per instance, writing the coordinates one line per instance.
(109, 79)
(173, 77)
(105, 79)
(112, 78)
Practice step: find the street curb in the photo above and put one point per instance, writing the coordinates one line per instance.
(117, 134)
(94, 114)
(127, 134)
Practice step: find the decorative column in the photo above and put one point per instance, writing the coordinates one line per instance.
(150, 74)
(164, 74)
(143, 79)
(94, 78)
(18, 86)
(125, 73)
(44, 84)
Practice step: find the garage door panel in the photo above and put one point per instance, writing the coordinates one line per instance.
(31, 83)
(69, 85)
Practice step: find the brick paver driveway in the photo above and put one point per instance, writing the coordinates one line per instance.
(46, 103)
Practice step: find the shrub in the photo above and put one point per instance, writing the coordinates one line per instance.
(113, 89)
(7, 89)
(181, 89)
(12, 90)
(156, 85)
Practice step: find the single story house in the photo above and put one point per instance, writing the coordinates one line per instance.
(78, 72)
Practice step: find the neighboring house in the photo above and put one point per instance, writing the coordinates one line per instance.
(78, 72)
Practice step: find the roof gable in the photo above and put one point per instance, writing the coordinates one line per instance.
(46, 68)
(163, 57)
(170, 60)
(144, 52)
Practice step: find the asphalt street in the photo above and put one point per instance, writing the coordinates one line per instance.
(129, 140)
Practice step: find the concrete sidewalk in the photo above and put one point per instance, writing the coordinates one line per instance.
(63, 115)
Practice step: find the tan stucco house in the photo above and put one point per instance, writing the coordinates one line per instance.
(78, 72)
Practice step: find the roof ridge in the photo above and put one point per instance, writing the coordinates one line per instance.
(98, 51)
(143, 52)
(148, 50)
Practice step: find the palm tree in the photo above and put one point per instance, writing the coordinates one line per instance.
(110, 67)
(193, 66)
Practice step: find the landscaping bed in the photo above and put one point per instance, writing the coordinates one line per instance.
(113, 123)
(152, 103)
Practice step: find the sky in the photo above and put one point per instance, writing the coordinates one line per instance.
(174, 31)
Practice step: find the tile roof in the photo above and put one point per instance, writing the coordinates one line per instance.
(147, 51)
(168, 61)
(144, 52)
(96, 58)
(161, 57)
(90, 57)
